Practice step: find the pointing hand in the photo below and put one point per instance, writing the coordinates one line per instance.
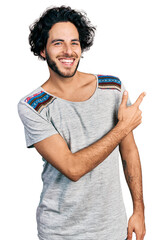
(130, 116)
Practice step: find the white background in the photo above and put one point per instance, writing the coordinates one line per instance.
(129, 45)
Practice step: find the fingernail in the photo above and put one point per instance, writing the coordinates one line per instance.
(125, 92)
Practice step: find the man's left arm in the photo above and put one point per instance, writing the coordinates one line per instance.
(133, 174)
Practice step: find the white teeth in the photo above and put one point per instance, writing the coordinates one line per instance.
(66, 60)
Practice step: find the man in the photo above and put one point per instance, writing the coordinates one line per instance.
(79, 122)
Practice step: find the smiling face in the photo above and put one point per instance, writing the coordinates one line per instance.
(63, 50)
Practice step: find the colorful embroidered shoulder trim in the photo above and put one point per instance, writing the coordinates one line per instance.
(39, 100)
(109, 82)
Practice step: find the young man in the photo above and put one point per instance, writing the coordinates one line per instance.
(79, 122)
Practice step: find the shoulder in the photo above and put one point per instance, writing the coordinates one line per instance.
(109, 82)
(36, 100)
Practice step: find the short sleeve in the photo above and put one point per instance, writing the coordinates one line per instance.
(119, 95)
(36, 127)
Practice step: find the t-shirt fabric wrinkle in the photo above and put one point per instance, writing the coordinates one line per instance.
(92, 207)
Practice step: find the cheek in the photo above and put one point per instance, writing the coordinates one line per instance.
(53, 51)
(79, 52)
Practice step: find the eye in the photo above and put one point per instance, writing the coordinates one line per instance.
(57, 43)
(75, 43)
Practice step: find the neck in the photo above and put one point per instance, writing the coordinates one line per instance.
(63, 84)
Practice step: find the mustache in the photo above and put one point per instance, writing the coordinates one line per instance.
(68, 56)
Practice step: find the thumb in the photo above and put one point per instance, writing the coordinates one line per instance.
(124, 98)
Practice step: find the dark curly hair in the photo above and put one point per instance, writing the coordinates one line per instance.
(39, 30)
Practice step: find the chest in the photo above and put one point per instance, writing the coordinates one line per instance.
(82, 124)
(80, 95)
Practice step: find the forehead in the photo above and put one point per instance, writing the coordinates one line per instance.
(63, 30)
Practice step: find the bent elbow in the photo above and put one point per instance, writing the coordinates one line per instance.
(73, 173)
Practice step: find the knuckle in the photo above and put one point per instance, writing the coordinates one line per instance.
(135, 107)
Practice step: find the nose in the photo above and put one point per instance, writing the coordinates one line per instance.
(67, 49)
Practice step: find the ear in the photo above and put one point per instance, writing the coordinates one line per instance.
(42, 53)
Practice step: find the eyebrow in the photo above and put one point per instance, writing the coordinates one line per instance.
(74, 40)
(61, 40)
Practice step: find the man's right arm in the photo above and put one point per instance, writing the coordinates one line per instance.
(74, 165)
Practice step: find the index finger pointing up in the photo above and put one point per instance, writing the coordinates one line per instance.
(140, 99)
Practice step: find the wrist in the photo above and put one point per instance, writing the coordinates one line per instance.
(139, 207)
(123, 128)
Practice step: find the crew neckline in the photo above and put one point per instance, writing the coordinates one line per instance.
(86, 101)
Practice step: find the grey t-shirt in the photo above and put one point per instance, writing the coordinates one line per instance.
(91, 208)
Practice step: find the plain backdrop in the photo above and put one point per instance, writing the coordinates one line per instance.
(128, 44)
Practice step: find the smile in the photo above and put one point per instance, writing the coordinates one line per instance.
(67, 61)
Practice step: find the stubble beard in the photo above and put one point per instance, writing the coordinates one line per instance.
(53, 66)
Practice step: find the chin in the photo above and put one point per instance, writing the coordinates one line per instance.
(67, 75)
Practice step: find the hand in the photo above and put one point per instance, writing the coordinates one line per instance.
(136, 224)
(130, 116)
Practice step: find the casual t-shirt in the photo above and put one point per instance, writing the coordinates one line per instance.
(91, 208)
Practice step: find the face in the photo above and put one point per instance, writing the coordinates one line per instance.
(63, 50)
